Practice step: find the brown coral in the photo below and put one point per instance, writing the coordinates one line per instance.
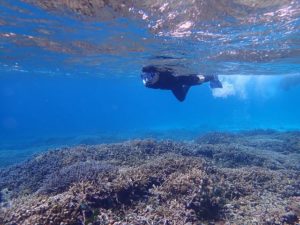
(147, 182)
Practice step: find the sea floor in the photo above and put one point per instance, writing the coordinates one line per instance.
(248, 177)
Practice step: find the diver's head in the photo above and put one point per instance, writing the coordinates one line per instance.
(150, 75)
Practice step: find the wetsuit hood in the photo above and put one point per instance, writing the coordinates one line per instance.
(149, 75)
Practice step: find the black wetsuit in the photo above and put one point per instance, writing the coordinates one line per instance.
(179, 85)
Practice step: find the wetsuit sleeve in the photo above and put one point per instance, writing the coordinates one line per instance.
(180, 92)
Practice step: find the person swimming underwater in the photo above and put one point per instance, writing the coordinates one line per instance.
(164, 78)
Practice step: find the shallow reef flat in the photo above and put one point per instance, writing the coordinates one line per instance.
(248, 177)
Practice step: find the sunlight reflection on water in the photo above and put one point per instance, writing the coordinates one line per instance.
(229, 37)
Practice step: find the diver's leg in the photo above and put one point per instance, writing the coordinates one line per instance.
(190, 80)
(206, 78)
(196, 79)
(214, 81)
(180, 92)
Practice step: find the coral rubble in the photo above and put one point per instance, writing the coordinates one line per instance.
(221, 178)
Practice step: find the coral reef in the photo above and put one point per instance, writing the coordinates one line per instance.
(82, 171)
(221, 178)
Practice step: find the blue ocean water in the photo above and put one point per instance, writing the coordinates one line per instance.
(67, 75)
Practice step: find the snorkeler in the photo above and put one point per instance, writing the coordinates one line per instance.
(164, 78)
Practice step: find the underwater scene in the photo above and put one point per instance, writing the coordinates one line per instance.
(149, 112)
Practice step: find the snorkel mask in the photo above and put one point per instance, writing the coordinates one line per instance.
(150, 75)
(149, 78)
